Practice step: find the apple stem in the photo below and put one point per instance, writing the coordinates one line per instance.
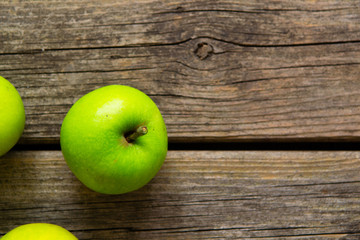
(140, 131)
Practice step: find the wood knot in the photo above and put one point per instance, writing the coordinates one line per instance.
(203, 50)
(179, 9)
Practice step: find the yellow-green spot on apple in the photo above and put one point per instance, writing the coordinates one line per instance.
(114, 139)
(39, 231)
(12, 116)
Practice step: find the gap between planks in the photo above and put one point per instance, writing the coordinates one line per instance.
(228, 146)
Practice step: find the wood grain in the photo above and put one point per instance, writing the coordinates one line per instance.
(196, 195)
(218, 70)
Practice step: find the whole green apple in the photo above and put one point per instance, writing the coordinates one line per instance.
(114, 139)
(39, 231)
(12, 116)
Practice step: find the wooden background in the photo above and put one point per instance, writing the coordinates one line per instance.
(261, 100)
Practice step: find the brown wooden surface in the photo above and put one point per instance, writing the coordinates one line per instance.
(196, 195)
(220, 71)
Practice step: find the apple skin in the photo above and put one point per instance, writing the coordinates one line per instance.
(12, 116)
(39, 231)
(94, 145)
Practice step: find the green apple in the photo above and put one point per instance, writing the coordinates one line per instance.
(39, 231)
(114, 139)
(12, 116)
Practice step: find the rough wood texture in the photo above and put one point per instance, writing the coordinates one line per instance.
(219, 70)
(196, 195)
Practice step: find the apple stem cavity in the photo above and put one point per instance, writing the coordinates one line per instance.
(132, 136)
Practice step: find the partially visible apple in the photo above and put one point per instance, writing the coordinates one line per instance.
(12, 116)
(114, 139)
(39, 231)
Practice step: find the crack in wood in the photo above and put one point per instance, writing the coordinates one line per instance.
(158, 44)
(182, 10)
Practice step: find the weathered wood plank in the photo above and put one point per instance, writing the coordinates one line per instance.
(196, 195)
(219, 70)
(52, 24)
